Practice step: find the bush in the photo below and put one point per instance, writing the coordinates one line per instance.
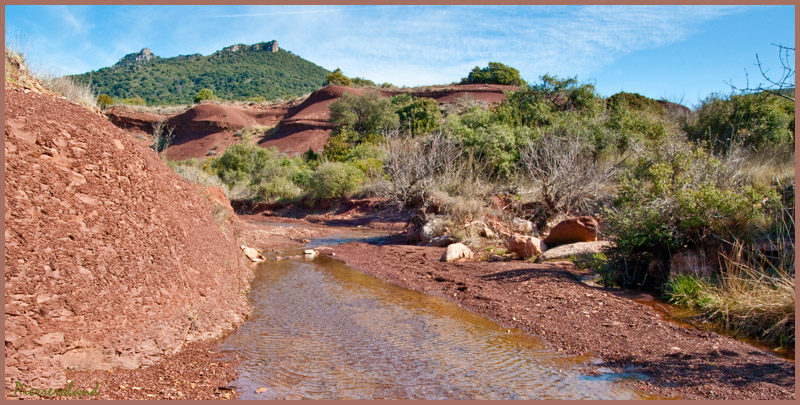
(566, 178)
(335, 180)
(104, 100)
(362, 82)
(133, 101)
(366, 114)
(752, 120)
(338, 78)
(684, 198)
(337, 146)
(543, 104)
(204, 94)
(412, 164)
(495, 73)
(265, 174)
(635, 102)
(420, 116)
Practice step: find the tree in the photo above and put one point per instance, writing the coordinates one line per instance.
(495, 73)
(366, 114)
(420, 116)
(104, 100)
(204, 94)
(781, 84)
(338, 78)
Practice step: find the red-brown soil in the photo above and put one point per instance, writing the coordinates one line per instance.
(112, 260)
(548, 301)
(198, 371)
(306, 126)
(211, 127)
(366, 212)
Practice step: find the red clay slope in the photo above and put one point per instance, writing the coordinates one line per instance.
(112, 259)
(306, 125)
(211, 126)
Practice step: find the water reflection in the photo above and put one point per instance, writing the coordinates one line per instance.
(321, 330)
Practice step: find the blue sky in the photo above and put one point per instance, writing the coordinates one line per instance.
(673, 52)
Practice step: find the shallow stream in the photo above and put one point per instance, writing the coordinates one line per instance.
(321, 330)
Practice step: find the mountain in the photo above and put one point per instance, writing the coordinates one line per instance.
(237, 72)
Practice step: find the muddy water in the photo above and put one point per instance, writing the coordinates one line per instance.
(321, 330)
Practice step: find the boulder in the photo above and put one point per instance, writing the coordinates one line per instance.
(252, 254)
(432, 229)
(522, 226)
(573, 230)
(441, 241)
(526, 246)
(578, 251)
(457, 252)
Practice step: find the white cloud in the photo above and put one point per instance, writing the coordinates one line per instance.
(436, 42)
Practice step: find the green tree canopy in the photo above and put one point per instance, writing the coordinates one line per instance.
(366, 114)
(338, 78)
(495, 73)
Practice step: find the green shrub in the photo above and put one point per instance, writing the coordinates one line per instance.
(751, 120)
(495, 73)
(204, 94)
(104, 100)
(546, 102)
(635, 102)
(334, 180)
(362, 82)
(338, 78)
(264, 173)
(366, 114)
(680, 200)
(257, 99)
(133, 101)
(337, 146)
(420, 116)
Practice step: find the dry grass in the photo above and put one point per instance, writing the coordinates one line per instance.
(71, 90)
(156, 109)
(755, 295)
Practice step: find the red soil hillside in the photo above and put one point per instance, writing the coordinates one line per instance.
(211, 126)
(112, 259)
(306, 125)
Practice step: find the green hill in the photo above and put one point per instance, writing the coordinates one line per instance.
(237, 72)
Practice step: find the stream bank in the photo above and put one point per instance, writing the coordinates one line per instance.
(547, 301)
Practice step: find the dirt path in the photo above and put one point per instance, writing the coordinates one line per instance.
(548, 301)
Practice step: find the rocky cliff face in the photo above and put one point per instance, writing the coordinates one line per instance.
(112, 259)
(271, 46)
(137, 57)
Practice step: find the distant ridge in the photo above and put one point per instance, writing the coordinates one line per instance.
(236, 72)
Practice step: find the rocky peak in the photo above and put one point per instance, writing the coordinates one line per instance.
(137, 57)
(271, 46)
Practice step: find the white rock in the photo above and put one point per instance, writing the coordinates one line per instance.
(457, 252)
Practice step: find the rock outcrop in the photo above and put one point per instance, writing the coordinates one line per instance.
(526, 246)
(137, 57)
(572, 230)
(578, 251)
